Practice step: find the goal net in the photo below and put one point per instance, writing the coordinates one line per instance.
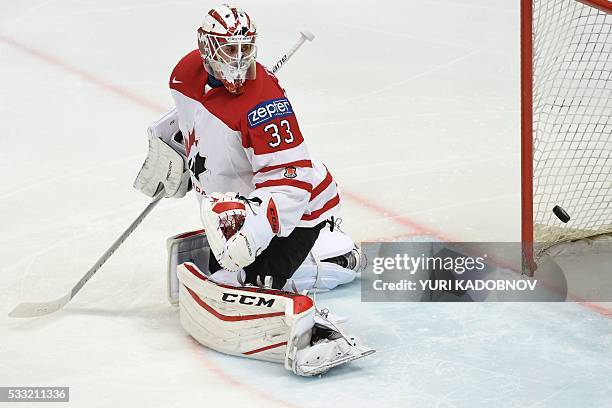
(566, 70)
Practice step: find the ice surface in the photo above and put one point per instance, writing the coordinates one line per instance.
(414, 107)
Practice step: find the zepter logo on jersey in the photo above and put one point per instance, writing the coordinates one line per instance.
(268, 110)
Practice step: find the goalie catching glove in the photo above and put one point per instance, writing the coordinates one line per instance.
(238, 228)
(165, 165)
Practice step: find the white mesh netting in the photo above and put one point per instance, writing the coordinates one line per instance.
(572, 120)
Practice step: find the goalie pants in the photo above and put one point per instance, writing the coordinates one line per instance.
(281, 258)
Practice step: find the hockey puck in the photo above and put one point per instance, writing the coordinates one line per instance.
(561, 214)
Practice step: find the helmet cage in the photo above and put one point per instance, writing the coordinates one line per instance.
(229, 58)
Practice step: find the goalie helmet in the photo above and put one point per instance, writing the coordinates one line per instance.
(226, 40)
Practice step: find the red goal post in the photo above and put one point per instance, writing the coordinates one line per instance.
(566, 121)
(603, 5)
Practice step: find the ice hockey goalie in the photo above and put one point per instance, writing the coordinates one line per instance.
(268, 208)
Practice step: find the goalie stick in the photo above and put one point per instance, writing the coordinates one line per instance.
(304, 35)
(35, 309)
(43, 308)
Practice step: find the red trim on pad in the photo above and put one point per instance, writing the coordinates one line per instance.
(227, 318)
(259, 350)
(301, 303)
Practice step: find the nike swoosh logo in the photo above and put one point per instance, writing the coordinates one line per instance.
(174, 81)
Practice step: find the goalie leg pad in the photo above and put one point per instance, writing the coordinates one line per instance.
(231, 278)
(263, 324)
(321, 278)
(334, 260)
(186, 247)
(334, 243)
(278, 262)
(244, 321)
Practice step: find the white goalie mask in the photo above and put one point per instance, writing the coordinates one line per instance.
(226, 41)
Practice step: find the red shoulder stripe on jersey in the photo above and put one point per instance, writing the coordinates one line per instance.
(286, 182)
(189, 76)
(297, 163)
(326, 207)
(322, 186)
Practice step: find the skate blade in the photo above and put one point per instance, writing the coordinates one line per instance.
(347, 359)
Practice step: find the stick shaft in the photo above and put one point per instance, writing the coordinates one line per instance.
(36, 309)
(292, 50)
(110, 251)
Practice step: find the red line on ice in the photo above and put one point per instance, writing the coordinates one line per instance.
(87, 76)
(415, 228)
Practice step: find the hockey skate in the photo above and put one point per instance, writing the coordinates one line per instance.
(329, 347)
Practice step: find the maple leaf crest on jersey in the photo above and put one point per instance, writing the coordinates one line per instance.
(290, 172)
(251, 142)
(197, 165)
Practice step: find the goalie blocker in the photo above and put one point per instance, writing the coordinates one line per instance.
(264, 324)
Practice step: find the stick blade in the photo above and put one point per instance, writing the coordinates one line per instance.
(39, 308)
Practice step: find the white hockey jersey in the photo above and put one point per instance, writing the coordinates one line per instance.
(250, 142)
